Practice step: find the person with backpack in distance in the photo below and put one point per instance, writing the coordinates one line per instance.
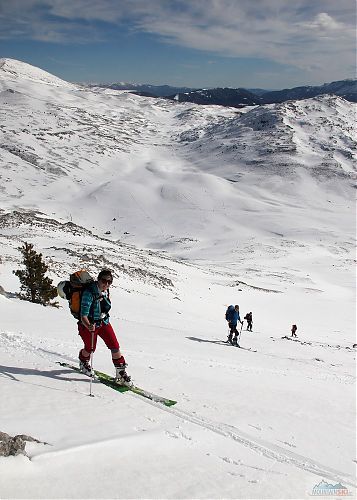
(232, 317)
(90, 303)
(249, 318)
(293, 331)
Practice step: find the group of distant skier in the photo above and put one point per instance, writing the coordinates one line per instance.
(233, 317)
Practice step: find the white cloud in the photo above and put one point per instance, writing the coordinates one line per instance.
(302, 33)
(324, 22)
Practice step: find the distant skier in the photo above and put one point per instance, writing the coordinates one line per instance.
(95, 306)
(232, 317)
(293, 331)
(249, 318)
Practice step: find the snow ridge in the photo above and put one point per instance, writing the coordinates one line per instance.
(11, 68)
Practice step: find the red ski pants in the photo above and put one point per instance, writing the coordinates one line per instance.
(106, 332)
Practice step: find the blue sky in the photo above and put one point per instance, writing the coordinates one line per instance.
(195, 43)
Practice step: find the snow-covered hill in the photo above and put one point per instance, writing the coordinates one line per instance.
(247, 424)
(343, 88)
(11, 69)
(193, 208)
(236, 98)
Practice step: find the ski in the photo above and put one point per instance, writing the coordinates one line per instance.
(109, 381)
(246, 348)
(239, 346)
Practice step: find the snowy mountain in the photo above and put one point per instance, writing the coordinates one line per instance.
(248, 97)
(194, 208)
(154, 90)
(342, 88)
(236, 98)
(14, 70)
(211, 163)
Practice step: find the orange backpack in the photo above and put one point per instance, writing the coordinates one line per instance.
(72, 290)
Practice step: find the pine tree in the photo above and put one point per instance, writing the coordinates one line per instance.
(35, 285)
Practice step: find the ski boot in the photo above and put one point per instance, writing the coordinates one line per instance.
(229, 339)
(121, 377)
(86, 368)
(235, 342)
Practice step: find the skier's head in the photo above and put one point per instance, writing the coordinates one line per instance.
(105, 279)
(236, 307)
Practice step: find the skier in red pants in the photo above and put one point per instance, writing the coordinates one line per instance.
(95, 306)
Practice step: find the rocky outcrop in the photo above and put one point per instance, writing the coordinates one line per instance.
(12, 446)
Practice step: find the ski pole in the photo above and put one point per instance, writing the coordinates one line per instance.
(91, 366)
(241, 326)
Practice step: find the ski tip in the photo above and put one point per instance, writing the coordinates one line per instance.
(170, 402)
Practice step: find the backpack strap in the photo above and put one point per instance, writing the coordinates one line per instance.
(92, 288)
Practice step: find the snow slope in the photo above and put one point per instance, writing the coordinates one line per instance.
(14, 70)
(216, 169)
(252, 207)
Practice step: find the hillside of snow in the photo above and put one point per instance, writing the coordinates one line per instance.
(194, 208)
(14, 70)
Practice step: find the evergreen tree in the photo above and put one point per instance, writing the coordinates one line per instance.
(35, 285)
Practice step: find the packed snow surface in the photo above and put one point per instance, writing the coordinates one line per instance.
(194, 208)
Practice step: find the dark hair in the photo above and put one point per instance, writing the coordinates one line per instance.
(105, 272)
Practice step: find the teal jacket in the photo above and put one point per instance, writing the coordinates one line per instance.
(95, 304)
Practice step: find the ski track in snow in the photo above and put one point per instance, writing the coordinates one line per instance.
(259, 446)
(266, 449)
(317, 344)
